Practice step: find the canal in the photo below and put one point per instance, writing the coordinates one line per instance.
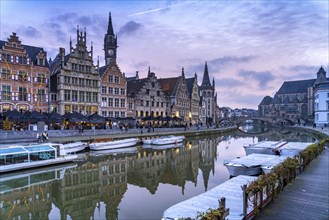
(135, 183)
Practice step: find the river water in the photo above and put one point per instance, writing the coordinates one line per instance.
(135, 183)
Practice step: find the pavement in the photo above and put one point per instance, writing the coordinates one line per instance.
(307, 197)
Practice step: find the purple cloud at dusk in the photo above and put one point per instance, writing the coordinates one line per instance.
(251, 47)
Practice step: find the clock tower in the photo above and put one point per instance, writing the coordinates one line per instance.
(110, 44)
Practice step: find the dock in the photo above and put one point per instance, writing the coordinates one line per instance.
(231, 190)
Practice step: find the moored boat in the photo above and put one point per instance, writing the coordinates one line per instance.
(73, 147)
(117, 151)
(165, 140)
(249, 165)
(264, 147)
(113, 144)
(14, 158)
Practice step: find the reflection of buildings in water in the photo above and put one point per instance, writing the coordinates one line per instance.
(78, 192)
(208, 154)
(27, 195)
(173, 166)
(114, 183)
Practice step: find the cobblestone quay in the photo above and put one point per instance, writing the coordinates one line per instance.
(8, 137)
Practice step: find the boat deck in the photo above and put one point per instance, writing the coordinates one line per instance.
(252, 160)
(231, 190)
(293, 148)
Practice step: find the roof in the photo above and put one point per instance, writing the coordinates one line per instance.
(205, 81)
(133, 86)
(299, 86)
(169, 85)
(31, 51)
(102, 70)
(276, 100)
(266, 100)
(190, 83)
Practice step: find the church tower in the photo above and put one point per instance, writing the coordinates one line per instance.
(110, 44)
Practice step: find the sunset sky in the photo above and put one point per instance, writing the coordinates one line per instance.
(251, 47)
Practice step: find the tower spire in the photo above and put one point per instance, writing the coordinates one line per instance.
(206, 80)
(183, 74)
(110, 26)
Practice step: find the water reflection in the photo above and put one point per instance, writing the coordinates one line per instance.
(138, 183)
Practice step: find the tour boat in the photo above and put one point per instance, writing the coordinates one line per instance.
(249, 165)
(264, 147)
(14, 158)
(165, 140)
(113, 144)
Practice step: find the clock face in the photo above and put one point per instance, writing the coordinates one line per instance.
(110, 52)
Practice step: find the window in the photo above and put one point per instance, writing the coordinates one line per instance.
(74, 81)
(110, 113)
(116, 91)
(104, 113)
(123, 92)
(123, 114)
(95, 83)
(5, 74)
(147, 103)
(95, 97)
(67, 79)
(81, 81)
(104, 89)
(41, 95)
(116, 79)
(111, 79)
(110, 90)
(74, 96)
(130, 105)
(123, 103)
(5, 95)
(142, 103)
(104, 101)
(116, 102)
(22, 95)
(116, 114)
(22, 75)
(67, 95)
(88, 82)
(147, 92)
(81, 96)
(53, 97)
(158, 93)
(110, 102)
(88, 96)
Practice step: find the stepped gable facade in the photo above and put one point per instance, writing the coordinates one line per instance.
(294, 100)
(146, 97)
(193, 89)
(113, 81)
(208, 99)
(175, 89)
(24, 74)
(75, 80)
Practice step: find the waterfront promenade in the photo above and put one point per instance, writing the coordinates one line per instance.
(307, 197)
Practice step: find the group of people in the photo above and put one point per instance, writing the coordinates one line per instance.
(42, 137)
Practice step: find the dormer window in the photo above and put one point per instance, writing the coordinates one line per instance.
(14, 45)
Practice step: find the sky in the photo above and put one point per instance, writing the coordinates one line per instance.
(251, 47)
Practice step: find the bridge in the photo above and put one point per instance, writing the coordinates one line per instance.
(270, 121)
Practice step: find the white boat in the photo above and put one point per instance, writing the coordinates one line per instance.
(14, 158)
(293, 148)
(113, 144)
(269, 165)
(264, 147)
(165, 140)
(249, 165)
(162, 147)
(73, 147)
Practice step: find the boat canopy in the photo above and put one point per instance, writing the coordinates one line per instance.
(25, 149)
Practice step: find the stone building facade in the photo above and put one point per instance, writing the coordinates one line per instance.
(24, 75)
(208, 100)
(294, 101)
(175, 89)
(321, 99)
(193, 89)
(113, 82)
(146, 97)
(75, 81)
